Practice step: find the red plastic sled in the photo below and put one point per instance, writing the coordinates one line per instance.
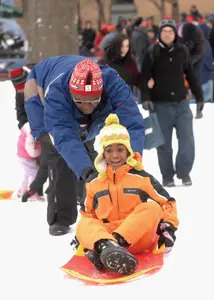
(6, 194)
(80, 267)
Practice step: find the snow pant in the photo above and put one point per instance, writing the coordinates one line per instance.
(30, 168)
(42, 174)
(138, 228)
(178, 116)
(63, 189)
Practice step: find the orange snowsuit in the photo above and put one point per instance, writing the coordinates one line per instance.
(128, 202)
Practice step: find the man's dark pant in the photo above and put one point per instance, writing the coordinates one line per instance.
(63, 189)
(178, 116)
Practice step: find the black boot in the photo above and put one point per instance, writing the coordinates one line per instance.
(95, 259)
(27, 195)
(116, 258)
(121, 241)
(58, 229)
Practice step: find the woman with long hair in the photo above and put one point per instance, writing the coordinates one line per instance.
(118, 56)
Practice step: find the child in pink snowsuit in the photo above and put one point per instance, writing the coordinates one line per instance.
(28, 151)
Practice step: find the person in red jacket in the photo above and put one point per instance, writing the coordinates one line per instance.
(126, 210)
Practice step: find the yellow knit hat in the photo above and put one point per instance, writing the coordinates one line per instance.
(114, 133)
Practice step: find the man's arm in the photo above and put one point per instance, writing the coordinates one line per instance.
(64, 129)
(146, 74)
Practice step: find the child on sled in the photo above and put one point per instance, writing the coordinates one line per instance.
(126, 210)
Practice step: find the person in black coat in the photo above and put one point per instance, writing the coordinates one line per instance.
(194, 39)
(88, 33)
(163, 70)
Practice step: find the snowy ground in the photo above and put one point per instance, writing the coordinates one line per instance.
(30, 258)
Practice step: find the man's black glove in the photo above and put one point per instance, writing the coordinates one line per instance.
(199, 114)
(148, 105)
(166, 231)
(87, 173)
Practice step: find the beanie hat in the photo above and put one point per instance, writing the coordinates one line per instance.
(168, 22)
(114, 133)
(18, 77)
(86, 78)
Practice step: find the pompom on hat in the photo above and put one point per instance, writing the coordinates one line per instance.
(86, 79)
(114, 133)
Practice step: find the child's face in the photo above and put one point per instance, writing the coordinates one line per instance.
(116, 155)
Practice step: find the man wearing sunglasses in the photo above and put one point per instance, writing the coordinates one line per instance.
(70, 97)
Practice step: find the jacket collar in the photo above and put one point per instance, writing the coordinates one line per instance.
(115, 175)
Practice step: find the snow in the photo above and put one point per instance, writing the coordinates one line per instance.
(30, 258)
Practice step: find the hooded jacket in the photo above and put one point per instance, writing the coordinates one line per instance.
(111, 200)
(59, 116)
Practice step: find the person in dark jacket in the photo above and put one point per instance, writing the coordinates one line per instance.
(88, 33)
(118, 56)
(18, 78)
(164, 91)
(194, 39)
(69, 97)
(139, 41)
(87, 50)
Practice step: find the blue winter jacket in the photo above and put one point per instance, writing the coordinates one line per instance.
(58, 115)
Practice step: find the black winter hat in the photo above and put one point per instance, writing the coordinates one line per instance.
(168, 22)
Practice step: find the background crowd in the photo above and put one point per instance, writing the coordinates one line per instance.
(134, 36)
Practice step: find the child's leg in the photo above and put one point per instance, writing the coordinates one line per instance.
(139, 228)
(91, 230)
(31, 170)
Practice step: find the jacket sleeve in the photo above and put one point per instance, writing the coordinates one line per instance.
(157, 193)
(146, 74)
(193, 80)
(64, 129)
(20, 110)
(124, 106)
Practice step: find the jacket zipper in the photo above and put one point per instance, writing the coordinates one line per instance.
(114, 180)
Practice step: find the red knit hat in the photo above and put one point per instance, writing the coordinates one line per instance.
(18, 77)
(86, 79)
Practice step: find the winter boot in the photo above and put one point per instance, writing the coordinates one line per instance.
(95, 259)
(27, 195)
(121, 241)
(168, 182)
(116, 258)
(58, 229)
(187, 180)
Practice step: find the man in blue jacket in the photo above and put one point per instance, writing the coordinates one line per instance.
(69, 97)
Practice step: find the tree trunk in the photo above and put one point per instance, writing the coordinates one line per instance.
(162, 9)
(101, 14)
(175, 10)
(51, 28)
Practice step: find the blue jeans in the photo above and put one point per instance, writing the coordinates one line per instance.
(178, 116)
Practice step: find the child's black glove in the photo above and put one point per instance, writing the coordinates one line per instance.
(166, 231)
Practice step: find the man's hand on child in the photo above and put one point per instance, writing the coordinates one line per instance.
(166, 231)
(88, 172)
